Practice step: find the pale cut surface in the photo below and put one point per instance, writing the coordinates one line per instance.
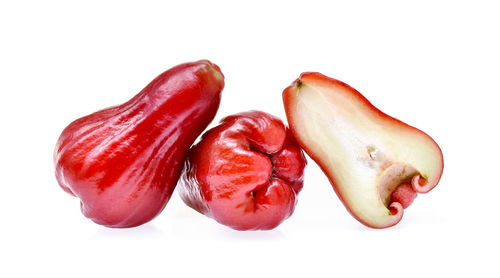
(365, 153)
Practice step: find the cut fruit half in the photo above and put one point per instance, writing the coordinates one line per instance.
(366, 154)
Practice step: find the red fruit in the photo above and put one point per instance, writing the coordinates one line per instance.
(245, 173)
(369, 157)
(123, 162)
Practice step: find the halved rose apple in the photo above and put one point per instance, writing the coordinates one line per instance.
(376, 163)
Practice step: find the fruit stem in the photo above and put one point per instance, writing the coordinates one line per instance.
(298, 83)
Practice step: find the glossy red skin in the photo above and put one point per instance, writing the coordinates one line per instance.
(318, 77)
(245, 173)
(123, 162)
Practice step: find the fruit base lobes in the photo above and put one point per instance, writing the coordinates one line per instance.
(244, 173)
(124, 162)
(365, 153)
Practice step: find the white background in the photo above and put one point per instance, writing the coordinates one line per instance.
(432, 64)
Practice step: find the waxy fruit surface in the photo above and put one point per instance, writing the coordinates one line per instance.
(245, 173)
(376, 163)
(123, 162)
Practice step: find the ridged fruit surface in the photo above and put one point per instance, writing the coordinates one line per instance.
(245, 173)
(124, 162)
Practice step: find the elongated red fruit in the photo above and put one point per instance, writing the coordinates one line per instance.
(123, 162)
(244, 173)
(376, 163)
